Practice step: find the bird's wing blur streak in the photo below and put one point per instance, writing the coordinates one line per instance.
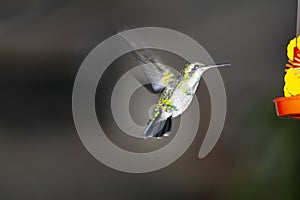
(157, 73)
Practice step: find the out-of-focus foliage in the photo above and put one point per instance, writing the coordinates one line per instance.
(268, 167)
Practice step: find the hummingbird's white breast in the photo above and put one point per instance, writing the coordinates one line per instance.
(183, 96)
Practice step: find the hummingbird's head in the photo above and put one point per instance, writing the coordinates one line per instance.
(197, 68)
(191, 68)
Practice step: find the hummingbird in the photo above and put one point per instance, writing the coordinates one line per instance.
(176, 89)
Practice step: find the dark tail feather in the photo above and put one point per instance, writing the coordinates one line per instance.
(152, 128)
(165, 129)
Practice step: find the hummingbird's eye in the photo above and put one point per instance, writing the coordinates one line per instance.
(196, 66)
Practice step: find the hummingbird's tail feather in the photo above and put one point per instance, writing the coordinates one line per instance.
(165, 129)
(158, 129)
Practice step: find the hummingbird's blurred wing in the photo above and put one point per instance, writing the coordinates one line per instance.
(159, 76)
(157, 73)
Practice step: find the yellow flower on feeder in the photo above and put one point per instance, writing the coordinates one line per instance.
(292, 77)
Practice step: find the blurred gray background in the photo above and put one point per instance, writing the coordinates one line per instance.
(42, 44)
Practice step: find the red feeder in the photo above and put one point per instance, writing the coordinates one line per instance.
(288, 106)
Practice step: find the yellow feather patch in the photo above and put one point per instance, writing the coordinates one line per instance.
(166, 78)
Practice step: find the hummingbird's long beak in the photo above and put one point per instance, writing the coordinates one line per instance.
(218, 65)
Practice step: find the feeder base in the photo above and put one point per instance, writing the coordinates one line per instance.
(288, 106)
